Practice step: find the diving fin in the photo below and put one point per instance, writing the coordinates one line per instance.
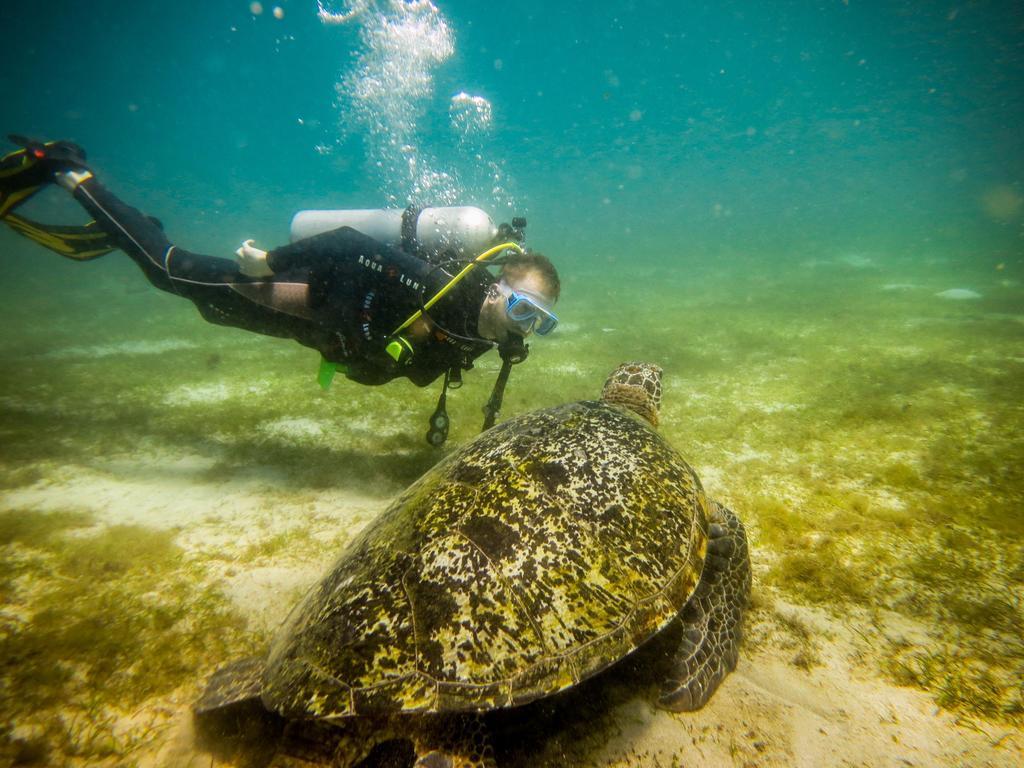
(25, 171)
(81, 243)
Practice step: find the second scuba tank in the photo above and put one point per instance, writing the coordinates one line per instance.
(463, 231)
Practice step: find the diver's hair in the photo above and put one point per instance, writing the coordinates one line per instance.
(519, 264)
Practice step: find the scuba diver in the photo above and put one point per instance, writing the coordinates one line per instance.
(374, 311)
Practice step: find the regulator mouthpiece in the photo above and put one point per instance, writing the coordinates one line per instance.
(514, 349)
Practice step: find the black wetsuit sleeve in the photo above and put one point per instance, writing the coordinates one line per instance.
(345, 248)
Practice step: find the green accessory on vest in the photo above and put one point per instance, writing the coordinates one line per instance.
(399, 349)
(325, 375)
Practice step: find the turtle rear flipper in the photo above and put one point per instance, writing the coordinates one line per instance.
(453, 741)
(233, 684)
(229, 717)
(712, 619)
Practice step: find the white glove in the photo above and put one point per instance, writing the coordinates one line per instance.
(252, 261)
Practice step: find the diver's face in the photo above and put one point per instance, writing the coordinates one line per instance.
(495, 323)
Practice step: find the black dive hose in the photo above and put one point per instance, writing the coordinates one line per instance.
(512, 352)
(439, 422)
(494, 402)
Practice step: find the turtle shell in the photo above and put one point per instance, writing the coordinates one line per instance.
(535, 556)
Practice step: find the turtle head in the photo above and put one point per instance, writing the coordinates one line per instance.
(636, 386)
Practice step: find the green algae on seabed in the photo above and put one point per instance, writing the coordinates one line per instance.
(879, 469)
(83, 418)
(96, 624)
(878, 472)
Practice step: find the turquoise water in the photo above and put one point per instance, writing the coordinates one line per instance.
(811, 215)
(648, 128)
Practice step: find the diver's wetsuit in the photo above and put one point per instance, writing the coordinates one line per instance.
(340, 292)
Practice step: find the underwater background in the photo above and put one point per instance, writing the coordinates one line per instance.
(810, 214)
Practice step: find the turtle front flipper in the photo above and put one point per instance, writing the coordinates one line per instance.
(712, 619)
(454, 741)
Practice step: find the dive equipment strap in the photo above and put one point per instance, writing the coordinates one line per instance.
(410, 217)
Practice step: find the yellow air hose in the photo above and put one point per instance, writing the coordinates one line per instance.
(395, 347)
(481, 259)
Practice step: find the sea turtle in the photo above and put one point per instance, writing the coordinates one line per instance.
(536, 556)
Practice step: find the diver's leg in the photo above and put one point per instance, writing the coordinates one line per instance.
(215, 285)
(709, 648)
(142, 238)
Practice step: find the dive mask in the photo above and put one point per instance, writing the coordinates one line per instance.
(529, 313)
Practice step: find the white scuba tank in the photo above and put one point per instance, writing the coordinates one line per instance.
(464, 230)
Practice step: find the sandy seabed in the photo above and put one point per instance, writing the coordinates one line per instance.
(202, 487)
(774, 710)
